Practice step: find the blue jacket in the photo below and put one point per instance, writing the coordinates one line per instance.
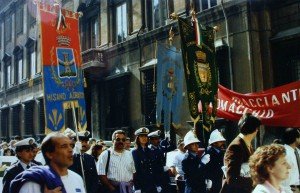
(194, 174)
(10, 173)
(145, 167)
(215, 164)
(92, 180)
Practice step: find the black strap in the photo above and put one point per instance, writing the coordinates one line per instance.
(107, 163)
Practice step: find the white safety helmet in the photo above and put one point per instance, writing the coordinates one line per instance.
(215, 136)
(190, 138)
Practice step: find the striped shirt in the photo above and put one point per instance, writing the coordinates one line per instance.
(121, 165)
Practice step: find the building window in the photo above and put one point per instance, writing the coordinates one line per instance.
(117, 90)
(149, 97)
(91, 37)
(94, 28)
(159, 13)
(42, 117)
(8, 72)
(32, 9)
(19, 67)
(19, 21)
(7, 28)
(1, 76)
(5, 122)
(33, 63)
(16, 120)
(31, 60)
(29, 118)
(121, 22)
(206, 4)
(1, 35)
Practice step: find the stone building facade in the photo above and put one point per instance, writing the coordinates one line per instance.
(118, 49)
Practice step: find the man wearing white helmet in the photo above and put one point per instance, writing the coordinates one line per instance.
(216, 150)
(193, 165)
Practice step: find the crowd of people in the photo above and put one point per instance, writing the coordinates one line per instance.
(69, 163)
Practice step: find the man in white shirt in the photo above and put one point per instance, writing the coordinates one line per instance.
(176, 167)
(57, 150)
(115, 165)
(291, 139)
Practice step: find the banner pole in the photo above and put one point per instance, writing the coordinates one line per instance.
(77, 138)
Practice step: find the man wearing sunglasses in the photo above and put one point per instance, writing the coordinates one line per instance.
(25, 155)
(116, 166)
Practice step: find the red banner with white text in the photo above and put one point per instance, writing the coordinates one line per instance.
(279, 106)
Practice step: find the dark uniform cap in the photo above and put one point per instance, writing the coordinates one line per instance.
(84, 134)
(154, 134)
(142, 131)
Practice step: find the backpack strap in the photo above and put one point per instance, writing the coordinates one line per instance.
(107, 163)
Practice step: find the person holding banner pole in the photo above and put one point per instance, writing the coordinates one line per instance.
(236, 167)
(89, 165)
(77, 137)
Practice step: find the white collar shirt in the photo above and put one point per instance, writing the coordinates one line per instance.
(177, 162)
(24, 166)
(267, 188)
(121, 165)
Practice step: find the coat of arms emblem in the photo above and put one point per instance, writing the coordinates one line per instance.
(66, 63)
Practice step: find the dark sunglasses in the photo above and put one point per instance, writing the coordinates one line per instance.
(120, 139)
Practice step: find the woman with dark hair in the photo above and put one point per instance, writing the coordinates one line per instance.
(236, 168)
(268, 168)
(145, 180)
(96, 151)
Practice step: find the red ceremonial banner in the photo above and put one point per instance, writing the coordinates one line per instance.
(275, 107)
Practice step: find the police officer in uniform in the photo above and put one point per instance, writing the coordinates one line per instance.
(216, 150)
(92, 181)
(145, 180)
(161, 170)
(193, 165)
(24, 152)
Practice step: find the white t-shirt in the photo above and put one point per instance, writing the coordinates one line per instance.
(73, 184)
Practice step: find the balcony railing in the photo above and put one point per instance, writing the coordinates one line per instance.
(93, 57)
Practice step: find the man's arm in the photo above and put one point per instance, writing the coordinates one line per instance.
(104, 180)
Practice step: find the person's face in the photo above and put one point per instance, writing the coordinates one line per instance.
(127, 144)
(98, 152)
(143, 139)
(298, 141)
(181, 147)
(62, 156)
(119, 142)
(7, 153)
(280, 170)
(26, 155)
(35, 151)
(219, 145)
(85, 146)
(155, 141)
(193, 147)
